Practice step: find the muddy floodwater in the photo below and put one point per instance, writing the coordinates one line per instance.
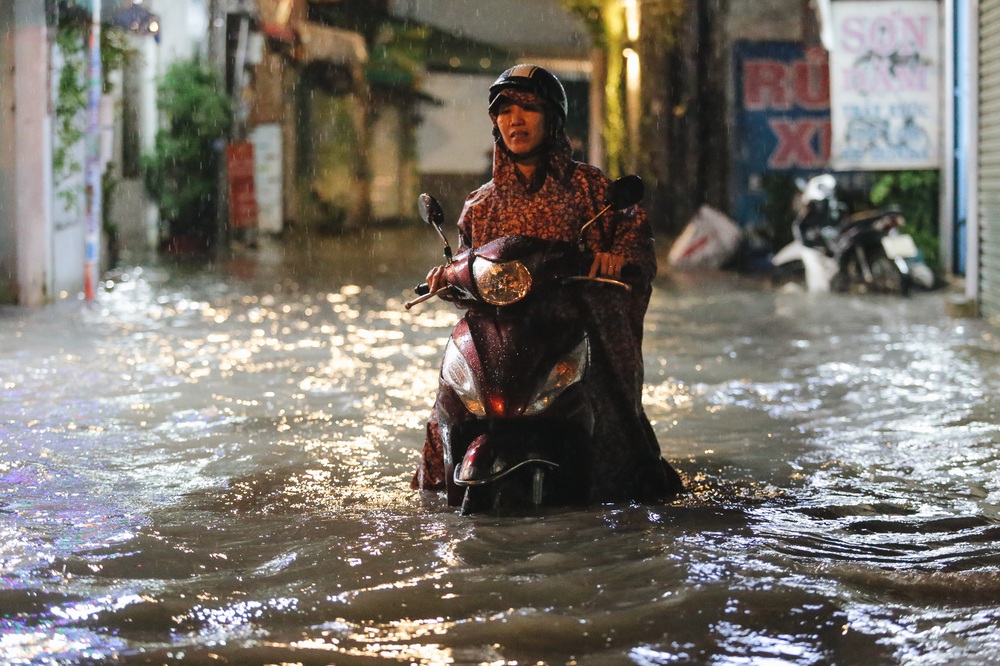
(212, 466)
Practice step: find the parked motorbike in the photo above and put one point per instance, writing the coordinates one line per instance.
(865, 251)
(514, 416)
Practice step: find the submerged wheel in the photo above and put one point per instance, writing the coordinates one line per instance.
(870, 270)
(472, 501)
(523, 490)
(841, 282)
(886, 276)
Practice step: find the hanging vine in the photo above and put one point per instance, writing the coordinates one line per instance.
(70, 107)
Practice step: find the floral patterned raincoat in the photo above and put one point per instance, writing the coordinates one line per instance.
(561, 197)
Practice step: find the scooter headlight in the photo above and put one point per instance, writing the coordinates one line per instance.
(456, 373)
(501, 283)
(567, 371)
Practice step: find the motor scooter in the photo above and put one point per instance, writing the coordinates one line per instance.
(865, 251)
(513, 409)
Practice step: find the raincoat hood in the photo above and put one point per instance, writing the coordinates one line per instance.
(555, 158)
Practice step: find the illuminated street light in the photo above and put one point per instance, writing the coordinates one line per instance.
(633, 85)
(631, 19)
(633, 78)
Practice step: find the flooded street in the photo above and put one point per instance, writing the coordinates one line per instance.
(213, 466)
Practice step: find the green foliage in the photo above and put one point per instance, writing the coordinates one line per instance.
(182, 170)
(115, 52)
(916, 194)
(605, 21)
(71, 35)
(70, 107)
(398, 51)
(398, 55)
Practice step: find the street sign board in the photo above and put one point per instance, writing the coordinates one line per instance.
(885, 71)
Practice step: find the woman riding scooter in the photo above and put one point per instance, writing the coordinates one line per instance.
(539, 190)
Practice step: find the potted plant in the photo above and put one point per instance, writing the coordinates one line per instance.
(182, 172)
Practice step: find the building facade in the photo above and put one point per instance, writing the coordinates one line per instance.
(345, 149)
(48, 207)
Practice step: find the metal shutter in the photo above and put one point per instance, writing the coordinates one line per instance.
(988, 188)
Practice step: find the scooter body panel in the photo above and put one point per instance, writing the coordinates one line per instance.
(510, 352)
(514, 411)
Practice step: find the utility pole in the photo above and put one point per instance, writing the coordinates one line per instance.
(217, 61)
(92, 174)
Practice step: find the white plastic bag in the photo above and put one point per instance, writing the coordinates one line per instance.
(707, 242)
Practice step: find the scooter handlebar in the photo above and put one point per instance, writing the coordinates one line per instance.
(425, 295)
(423, 292)
(603, 280)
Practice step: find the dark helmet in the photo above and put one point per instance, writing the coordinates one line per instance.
(537, 80)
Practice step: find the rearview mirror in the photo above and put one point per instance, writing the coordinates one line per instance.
(624, 192)
(432, 213)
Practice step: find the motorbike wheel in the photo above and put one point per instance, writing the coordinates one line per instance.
(519, 492)
(872, 271)
(840, 283)
(886, 276)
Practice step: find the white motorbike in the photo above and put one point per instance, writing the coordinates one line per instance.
(865, 251)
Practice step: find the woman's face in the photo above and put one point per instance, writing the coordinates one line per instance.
(522, 125)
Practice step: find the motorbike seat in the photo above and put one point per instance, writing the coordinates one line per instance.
(864, 217)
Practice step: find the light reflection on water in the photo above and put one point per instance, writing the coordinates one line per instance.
(215, 466)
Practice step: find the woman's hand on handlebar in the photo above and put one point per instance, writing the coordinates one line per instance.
(435, 286)
(436, 279)
(605, 264)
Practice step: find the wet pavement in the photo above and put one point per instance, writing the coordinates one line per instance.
(212, 466)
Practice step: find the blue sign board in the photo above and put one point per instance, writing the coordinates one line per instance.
(782, 118)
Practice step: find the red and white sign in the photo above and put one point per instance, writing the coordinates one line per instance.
(242, 197)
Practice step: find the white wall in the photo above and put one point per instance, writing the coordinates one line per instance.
(455, 137)
(69, 205)
(183, 28)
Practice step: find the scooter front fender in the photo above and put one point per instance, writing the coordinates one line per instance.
(480, 452)
(490, 458)
(820, 268)
(788, 254)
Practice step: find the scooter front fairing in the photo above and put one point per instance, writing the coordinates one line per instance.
(513, 395)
